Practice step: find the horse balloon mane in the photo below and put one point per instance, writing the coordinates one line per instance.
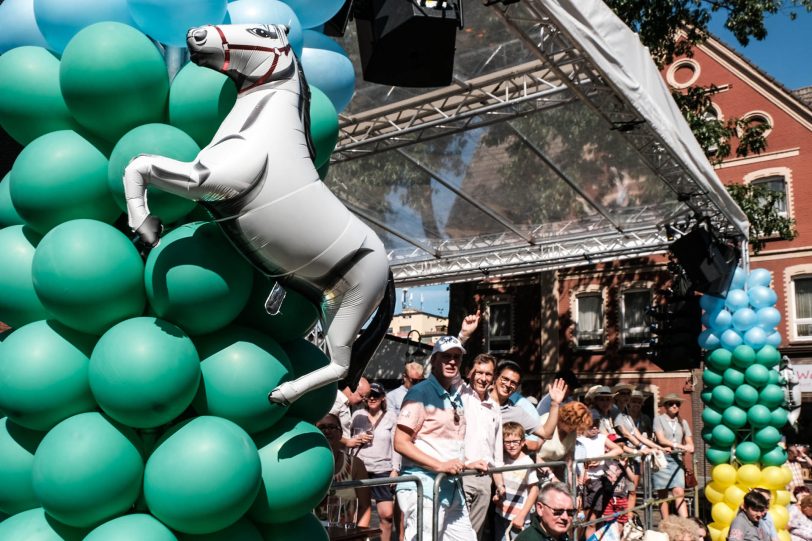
(258, 180)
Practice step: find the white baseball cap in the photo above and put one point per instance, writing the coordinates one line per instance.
(444, 343)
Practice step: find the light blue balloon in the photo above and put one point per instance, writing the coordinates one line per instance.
(268, 12)
(315, 39)
(744, 319)
(332, 72)
(768, 318)
(773, 339)
(708, 340)
(761, 296)
(730, 339)
(59, 21)
(315, 12)
(19, 25)
(720, 320)
(168, 21)
(739, 279)
(736, 298)
(133, 527)
(759, 277)
(755, 338)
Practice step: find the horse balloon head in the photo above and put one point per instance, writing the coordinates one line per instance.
(250, 54)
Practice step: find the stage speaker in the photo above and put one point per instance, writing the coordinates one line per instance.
(708, 262)
(407, 42)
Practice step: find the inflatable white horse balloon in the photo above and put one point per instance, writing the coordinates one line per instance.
(258, 179)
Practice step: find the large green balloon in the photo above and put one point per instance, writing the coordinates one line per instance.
(717, 455)
(31, 102)
(323, 125)
(35, 525)
(774, 457)
(19, 303)
(160, 139)
(59, 177)
(707, 435)
(287, 449)
(758, 416)
(306, 357)
(712, 378)
(306, 527)
(17, 447)
(8, 214)
(144, 372)
(203, 476)
(767, 437)
(706, 395)
(722, 397)
(242, 530)
(87, 469)
(296, 316)
(43, 374)
(196, 279)
(747, 452)
(771, 396)
(719, 360)
(774, 377)
(768, 356)
(89, 275)
(723, 436)
(240, 366)
(746, 396)
(112, 92)
(135, 527)
(778, 418)
(734, 417)
(733, 378)
(743, 356)
(757, 375)
(711, 417)
(199, 100)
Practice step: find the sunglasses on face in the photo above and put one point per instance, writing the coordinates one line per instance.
(371, 398)
(558, 512)
(415, 380)
(669, 404)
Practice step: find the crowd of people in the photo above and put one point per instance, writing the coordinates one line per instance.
(450, 423)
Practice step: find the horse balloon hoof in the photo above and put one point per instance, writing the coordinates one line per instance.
(277, 396)
(149, 232)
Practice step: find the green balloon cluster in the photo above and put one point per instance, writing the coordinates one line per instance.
(133, 386)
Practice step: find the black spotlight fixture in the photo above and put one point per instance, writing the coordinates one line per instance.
(408, 43)
(708, 262)
(337, 25)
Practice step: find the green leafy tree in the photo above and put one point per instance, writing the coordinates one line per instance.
(760, 204)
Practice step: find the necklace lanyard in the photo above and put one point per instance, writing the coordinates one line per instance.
(674, 424)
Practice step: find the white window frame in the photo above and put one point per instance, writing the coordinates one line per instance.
(502, 301)
(799, 272)
(601, 318)
(622, 330)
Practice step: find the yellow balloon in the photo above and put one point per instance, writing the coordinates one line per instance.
(734, 495)
(748, 475)
(724, 474)
(783, 535)
(723, 513)
(715, 531)
(725, 532)
(782, 497)
(780, 516)
(714, 492)
(772, 477)
(787, 474)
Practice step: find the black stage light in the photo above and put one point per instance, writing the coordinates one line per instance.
(337, 25)
(708, 262)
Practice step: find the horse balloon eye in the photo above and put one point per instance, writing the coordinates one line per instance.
(261, 32)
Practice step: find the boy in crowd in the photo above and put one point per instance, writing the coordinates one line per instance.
(513, 507)
(747, 524)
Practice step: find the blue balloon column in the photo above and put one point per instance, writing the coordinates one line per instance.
(133, 387)
(744, 401)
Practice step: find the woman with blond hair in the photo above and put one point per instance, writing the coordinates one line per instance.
(680, 528)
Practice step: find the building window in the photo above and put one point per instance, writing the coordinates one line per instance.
(802, 297)
(634, 331)
(759, 118)
(589, 320)
(404, 329)
(500, 326)
(777, 184)
(683, 73)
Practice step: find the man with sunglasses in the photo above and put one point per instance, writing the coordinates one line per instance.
(553, 518)
(430, 436)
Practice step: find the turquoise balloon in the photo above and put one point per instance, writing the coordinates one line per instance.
(767, 437)
(773, 339)
(287, 449)
(242, 530)
(734, 417)
(240, 366)
(199, 100)
(306, 527)
(768, 356)
(723, 436)
(717, 456)
(735, 299)
(771, 396)
(768, 318)
(755, 337)
(758, 416)
(89, 275)
(60, 21)
(712, 378)
(8, 214)
(323, 125)
(268, 12)
(87, 469)
(203, 476)
(35, 525)
(707, 435)
(112, 93)
(733, 378)
(757, 375)
(774, 377)
(719, 360)
(19, 303)
(168, 21)
(744, 319)
(746, 396)
(135, 527)
(743, 356)
(43, 374)
(160, 139)
(306, 357)
(722, 397)
(711, 417)
(144, 372)
(59, 177)
(747, 452)
(31, 102)
(296, 317)
(706, 395)
(759, 277)
(774, 457)
(778, 418)
(196, 279)
(331, 72)
(17, 447)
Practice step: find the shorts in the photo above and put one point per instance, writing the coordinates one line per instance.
(596, 496)
(382, 493)
(617, 504)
